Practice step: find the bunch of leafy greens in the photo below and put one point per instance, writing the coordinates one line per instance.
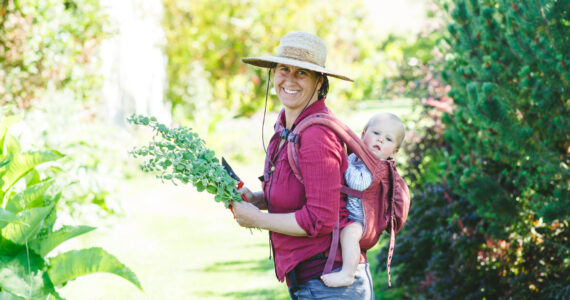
(180, 155)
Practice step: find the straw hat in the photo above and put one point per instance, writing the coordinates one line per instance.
(299, 49)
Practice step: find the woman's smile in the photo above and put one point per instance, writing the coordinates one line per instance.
(296, 87)
(290, 91)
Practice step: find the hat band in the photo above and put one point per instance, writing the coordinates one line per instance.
(298, 54)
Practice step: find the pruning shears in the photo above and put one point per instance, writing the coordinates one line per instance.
(234, 176)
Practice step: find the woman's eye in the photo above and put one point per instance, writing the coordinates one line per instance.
(302, 72)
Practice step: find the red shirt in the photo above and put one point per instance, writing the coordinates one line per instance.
(316, 204)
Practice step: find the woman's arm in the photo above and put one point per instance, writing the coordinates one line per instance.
(247, 215)
(322, 162)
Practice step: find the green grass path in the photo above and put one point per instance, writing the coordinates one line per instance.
(182, 245)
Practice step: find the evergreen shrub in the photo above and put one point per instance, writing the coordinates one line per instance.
(495, 225)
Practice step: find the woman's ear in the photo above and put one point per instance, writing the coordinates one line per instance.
(320, 80)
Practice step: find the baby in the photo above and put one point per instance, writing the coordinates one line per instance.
(382, 135)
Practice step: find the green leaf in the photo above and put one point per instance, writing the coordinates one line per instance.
(22, 275)
(31, 197)
(4, 160)
(11, 145)
(33, 219)
(3, 133)
(22, 163)
(70, 265)
(32, 177)
(8, 217)
(47, 243)
(8, 296)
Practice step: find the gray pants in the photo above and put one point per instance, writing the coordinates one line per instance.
(361, 289)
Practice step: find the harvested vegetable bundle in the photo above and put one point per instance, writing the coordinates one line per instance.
(180, 155)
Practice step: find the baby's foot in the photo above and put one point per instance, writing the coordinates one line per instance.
(338, 279)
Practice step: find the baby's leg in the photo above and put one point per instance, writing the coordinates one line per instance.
(349, 242)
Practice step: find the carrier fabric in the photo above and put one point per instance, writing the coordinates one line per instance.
(359, 178)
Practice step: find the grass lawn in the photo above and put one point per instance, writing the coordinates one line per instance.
(183, 245)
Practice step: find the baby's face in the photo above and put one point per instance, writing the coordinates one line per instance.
(381, 137)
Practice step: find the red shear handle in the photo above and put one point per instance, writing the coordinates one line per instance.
(239, 186)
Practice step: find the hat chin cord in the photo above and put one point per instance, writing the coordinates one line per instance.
(265, 106)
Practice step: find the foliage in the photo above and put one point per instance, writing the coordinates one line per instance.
(509, 136)
(206, 41)
(493, 188)
(94, 163)
(179, 155)
(28, 217)
(48, 44)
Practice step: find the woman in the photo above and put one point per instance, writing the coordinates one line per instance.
(301, 216)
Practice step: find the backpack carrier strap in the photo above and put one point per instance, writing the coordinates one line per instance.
(351, 192)
(352, 141)
(391, 225)
(390, 215)
(340, 130)
(332, 251)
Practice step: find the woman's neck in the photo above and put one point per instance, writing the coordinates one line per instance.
(291, 115)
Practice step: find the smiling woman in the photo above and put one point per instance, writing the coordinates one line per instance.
(296, 88)
(302, 216)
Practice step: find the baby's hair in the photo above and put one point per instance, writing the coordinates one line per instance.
(393, 117)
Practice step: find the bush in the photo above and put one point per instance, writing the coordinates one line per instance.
(48, 45)
(29, 229)
(496, 218)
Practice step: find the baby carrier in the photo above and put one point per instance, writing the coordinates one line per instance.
(385, 202)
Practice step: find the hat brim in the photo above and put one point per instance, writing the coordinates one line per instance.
(268, 61)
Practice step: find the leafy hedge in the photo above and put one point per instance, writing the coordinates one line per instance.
(48, 44)
(489, 217)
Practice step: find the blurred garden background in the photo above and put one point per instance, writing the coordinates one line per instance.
(482, 86)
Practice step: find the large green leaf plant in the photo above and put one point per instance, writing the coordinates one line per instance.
(28, 213)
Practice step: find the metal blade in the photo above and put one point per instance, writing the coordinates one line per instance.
(229, 170)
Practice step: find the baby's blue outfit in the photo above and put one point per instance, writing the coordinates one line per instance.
(357, 177)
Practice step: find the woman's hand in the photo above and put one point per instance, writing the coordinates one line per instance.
(257, 198)
(249, 216)
(246, 214)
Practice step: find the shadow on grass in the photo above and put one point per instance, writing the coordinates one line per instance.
(246, 267)
(258, 265)
(253, 294)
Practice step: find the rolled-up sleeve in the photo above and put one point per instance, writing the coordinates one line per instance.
(322, 162)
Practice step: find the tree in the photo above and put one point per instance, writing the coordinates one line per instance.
(48, 45)
(505, 183)
(206, 41)
(509, 136)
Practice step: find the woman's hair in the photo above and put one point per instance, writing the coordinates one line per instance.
(324, 90)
